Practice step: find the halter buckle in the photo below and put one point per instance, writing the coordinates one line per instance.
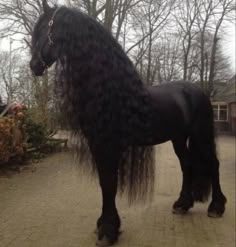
(50, 23)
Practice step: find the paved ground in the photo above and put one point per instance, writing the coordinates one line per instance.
(51, 204)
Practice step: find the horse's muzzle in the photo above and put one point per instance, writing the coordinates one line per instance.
(36, 68)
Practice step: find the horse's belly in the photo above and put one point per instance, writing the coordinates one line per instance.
(152, 136)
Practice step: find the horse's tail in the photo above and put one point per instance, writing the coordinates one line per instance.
(202, 150)
(137, 173)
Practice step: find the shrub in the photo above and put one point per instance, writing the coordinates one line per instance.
(11, 137)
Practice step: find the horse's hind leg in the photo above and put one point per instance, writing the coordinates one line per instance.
(206, 169)
(108, 224)
(185, 200)
(217, 205)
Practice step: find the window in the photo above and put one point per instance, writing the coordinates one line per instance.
(220, 112)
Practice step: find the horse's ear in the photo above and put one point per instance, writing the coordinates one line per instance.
(46, 7)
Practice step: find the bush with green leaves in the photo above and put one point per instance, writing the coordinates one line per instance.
(35, 133)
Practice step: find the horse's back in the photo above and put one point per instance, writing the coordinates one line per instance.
(177, 87)
(179, 93)
(178, 104)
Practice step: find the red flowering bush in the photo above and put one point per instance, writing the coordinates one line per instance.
(11, 133)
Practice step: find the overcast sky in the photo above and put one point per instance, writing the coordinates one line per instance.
(229, 44)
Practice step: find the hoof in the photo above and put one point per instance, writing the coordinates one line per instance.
(180, 211)
(104, 242)
(182, 205)
(108, 230)
(216, 209)
(214, 215)
(107, 235)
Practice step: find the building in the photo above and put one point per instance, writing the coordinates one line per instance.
(224, 106)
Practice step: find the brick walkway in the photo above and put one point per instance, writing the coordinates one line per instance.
(51, 204)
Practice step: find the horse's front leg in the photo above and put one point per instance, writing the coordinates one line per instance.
(108, 224)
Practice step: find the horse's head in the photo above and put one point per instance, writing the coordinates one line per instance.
(43, 47)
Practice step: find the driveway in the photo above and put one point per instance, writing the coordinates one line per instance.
(53, 204)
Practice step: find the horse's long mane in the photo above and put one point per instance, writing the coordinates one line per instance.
(103, 97)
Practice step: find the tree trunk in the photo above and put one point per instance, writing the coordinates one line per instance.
(148, 77)
(213, 55)
(108, 15)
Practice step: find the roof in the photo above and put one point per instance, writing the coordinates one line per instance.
(226, 91)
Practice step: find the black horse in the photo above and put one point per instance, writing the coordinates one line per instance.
(117, 119)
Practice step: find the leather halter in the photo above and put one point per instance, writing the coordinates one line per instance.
(50, 24)
(49, 34)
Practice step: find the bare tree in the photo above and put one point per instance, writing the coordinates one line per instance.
(111, 13)
(8, 73)
(224, 9)
(186, 16)
(92, 7)
(18, 17)
(211, 16)
(123, 8)
(207, 8)
(168, 54)
(149, 19)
